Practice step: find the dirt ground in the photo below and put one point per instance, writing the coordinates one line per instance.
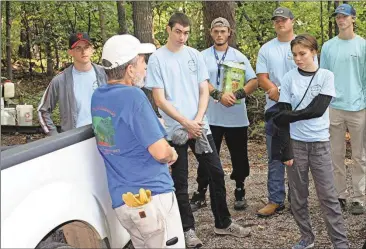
(279, 231)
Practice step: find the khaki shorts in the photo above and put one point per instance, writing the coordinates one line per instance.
(153, 224)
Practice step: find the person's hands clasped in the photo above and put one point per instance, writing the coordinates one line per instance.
(228, 99)
(193, 127)
(273, 94)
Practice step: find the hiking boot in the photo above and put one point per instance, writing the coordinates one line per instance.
(240, 202)
(192, 241)
(303, 245)
(356, 208)
(270, 209)
(343, 203)
(198, 201)
(233, 230)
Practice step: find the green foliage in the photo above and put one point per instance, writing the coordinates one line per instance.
(53, 21)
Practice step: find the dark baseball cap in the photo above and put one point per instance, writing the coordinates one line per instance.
(282, 12)
(75, 38)
(345, 9)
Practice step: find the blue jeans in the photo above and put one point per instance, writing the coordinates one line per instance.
(276, 177)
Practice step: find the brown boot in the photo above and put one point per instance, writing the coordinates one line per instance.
(270, 209)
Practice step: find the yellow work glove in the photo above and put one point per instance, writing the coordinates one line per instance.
(142, 198)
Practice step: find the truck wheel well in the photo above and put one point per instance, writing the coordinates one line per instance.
(77, 234)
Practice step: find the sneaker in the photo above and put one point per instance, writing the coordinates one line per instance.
(192, 241)
(343, 203)
(270, 209)
(356, 208)
(234, 230)
(198, 201)
(240, 202)
(303, 245)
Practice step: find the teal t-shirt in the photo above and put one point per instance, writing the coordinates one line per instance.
(180, 75)
(218, 114)
(293, 88)
(347, 60)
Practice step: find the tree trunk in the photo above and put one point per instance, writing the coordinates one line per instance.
(336, 29)
(121, 17)
(321, 22)
(212, 10)
(22, 50)
(8, 40)
(57, 66)
(143, 30)
(102, 22)
(143, 21)
(330, 23)
(48, 49)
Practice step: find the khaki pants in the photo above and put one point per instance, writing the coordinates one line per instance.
(355, 122)
(153, 224)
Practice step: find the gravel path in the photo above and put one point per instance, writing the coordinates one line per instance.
(278, 231)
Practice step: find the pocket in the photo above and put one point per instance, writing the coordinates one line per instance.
(147, 219)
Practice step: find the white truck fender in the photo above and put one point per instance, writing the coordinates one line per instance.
(23, 229)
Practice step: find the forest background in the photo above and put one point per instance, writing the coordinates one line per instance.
(34, 34)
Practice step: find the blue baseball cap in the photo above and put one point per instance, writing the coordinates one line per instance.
(345, 9)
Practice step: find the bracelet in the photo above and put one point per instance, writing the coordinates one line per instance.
(240, 94)
(216, 95)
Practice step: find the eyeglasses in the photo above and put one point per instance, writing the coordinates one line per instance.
(81, 49)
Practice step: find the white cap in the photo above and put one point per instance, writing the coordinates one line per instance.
(120, 49)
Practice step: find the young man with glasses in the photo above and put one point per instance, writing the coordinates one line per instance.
(72, 89)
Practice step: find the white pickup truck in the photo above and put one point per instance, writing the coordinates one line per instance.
(57, 185)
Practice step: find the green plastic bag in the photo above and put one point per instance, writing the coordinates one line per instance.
(234, 77)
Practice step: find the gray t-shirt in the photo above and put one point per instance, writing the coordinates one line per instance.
(180, 75)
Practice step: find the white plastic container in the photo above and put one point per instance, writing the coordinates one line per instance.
(24, 115)
(9, 90)
(8, 116)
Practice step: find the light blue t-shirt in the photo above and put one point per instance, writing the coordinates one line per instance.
(217, 113)
(125, 125)
(293, 87)
(180, 75)
(275, 58)
(84, 85)
(347, 60)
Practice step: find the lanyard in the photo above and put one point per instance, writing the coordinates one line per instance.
(219, 63)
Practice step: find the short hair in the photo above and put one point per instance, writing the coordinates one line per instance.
(179, 18)
(119, 72)
(305, 40)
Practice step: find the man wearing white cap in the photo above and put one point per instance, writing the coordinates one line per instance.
(132, 142)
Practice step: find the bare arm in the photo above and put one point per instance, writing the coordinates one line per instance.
(203, 100)
(264, 81)
(268, 86)
(191, 126)
(163, 152)
(251, 86)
